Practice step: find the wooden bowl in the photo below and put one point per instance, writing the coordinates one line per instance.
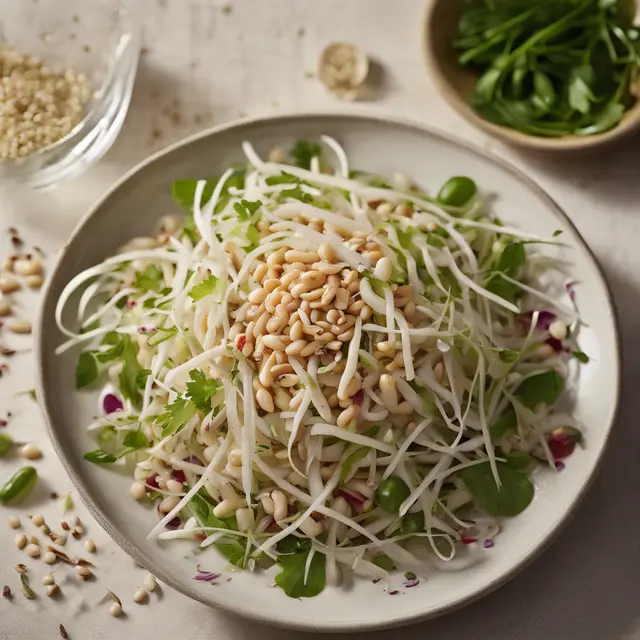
(455, 83)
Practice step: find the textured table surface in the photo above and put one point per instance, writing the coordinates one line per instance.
(207, 62)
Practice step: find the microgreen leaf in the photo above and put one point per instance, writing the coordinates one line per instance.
(506, 423)
(303, 152)
(205, 288)
(150, 279)
(99, 456)
(283, 178)
(542, 388)
(86, 370)
(245, 209)
(291, 578)
(297, 194)
(581, 356)
(129, 380)
(513, 497)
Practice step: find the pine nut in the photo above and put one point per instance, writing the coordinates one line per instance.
(326, 252)
(265, 400)
(281, 369)
(19, 326)
(271, 285)
(292, 256)
(14, 522)
(349, 414)
(30, 452)
(404, 408)
(49, 558)
(245, 518)
(140, 596)
(387, 346)
(5, 308)
(34, 282)
(8, 284)
(334, 345)
(296, 400)
(276, 324)
(388, 391)
(90, 545)
(296, 331)
(288, 380)
(277, 257)
(356, 307)
(333, 401)
(280, 505)
(138, 491)
(267, 505)
(115, 609)
(374, 256)
(438, 370)
(174, 486)
(48, 580)
(296, 347)
(281, 357)
(257, 296)
(346, 336)
(282, 398)
(309, 349)
(276, 343)
(260, 272)
(247, 350)
(366, 313)
(290, 277)
(342, 299)
(228, 507)
(266, 374)
(26, 267)
(33, 550)
(314, 278)
(21, 541)
(311, 528)
(37, 520)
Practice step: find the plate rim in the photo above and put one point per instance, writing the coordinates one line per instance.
(140, 556)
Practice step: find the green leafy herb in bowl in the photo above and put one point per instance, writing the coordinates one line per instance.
(550, 74)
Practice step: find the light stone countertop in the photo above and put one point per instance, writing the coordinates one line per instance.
(205, 65)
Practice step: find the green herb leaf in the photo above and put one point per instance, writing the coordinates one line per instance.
(150, 279)
(293, 544)
(201, 389)
(506, 423)
(86, 370)
(520, 461)
(581, 356)
(99, 456)
(384, 562)
(178, 413)
(184, 192)
(513, 497)
(283, 178)
(352, 459)
(297, 194)
(303, 152)
(205, 288)
(291, 577)
(129, 378)
(135, 440)
(245, 209)
(233, 550)
(543, 388)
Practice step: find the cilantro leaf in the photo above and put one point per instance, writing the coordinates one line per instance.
(201, 389)
(205, 288)
(293, 544)
(303, 151)
(86, 370)
(513, 497)
(178, 413)
(297, 194)
(133, 441)
(233, 550)
(283, 178)
(543, 388)
(99, 456)
(128, 380)
(246, 208)
(149, 279)
(184, 192)
(113, 339)
(291, 578)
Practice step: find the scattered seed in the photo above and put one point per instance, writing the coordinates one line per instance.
(6, 591)
(5, 308)
(34, 282)
(140, 596)
(49, 557)
(21, 568)
(65, 525)
(150, 582)
(45, 529)
(48, 580)
(37, 520)
(8, 284)
(33, 551)
(115, 609)
(63, 631)
(52, 590)
(90, 545)
(14, 522)
(84, 572)
(30, 452)
(19, 326)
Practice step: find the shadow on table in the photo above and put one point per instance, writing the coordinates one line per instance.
(587, 584)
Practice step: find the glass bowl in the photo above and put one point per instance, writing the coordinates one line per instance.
(97, 38)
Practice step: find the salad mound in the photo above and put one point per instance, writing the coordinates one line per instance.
(328, 370)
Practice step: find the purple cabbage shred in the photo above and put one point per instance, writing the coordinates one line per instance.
(111, 403)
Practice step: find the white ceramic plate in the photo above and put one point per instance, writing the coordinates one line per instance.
(383, 146)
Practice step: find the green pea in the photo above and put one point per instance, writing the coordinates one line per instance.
(19, 484)
(413, 523)
(6, 442)
(391, 493)
(458, 191)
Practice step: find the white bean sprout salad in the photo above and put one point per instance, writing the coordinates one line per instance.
(327, 370)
